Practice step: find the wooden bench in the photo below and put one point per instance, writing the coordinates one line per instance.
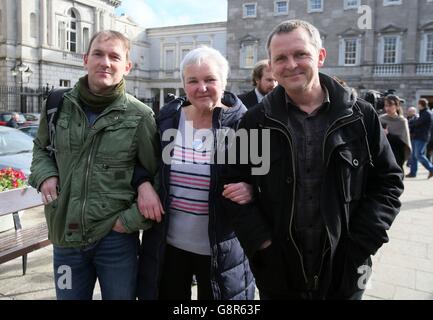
(21, 241)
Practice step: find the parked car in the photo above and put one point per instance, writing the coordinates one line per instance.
(31, 130)
(32, 118)
(6, 116)
(15, 149)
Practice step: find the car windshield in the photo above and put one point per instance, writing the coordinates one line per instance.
(14, 141)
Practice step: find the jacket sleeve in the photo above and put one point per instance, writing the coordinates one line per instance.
(148, 155)
(380, 204)
(248, 221)
(43, 166)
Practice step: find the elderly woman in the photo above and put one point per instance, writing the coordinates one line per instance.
(196, 235)
(397, 129)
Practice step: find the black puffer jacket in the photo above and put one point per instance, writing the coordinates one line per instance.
(231, 277)
(359, 196)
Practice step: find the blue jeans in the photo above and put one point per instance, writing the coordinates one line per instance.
(418, 154)
(112, 260)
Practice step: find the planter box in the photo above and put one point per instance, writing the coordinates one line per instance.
(19, 199)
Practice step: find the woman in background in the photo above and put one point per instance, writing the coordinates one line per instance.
(397, 127)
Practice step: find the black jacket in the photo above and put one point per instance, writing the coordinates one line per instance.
(421, 127)
(249, 99)
(231, 277)
(359, 196)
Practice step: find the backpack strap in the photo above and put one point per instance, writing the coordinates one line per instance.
(53, 106)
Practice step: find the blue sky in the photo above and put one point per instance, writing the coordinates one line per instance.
(160, 13)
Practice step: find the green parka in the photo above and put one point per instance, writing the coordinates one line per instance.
(95, 167)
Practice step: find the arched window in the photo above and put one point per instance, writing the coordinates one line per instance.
(68, 27)
(33, 25)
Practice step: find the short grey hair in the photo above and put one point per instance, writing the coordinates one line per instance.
(290, 25)
(206, 55)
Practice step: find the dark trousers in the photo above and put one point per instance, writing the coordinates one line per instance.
(176, 279)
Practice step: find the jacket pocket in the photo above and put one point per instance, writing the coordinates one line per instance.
(63, 134)
(117, 140)
(353, 171)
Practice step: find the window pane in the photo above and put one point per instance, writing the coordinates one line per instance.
(281, 7)
(250, 10)
(350, 51)
(169, 60)
(249, 56)
(429, 56)
(315, 4)
(390, 50)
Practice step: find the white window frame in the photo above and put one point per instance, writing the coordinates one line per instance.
(172, 61)
(353, 6)
(424, 48)
(391, 2)
(276, 13)
(381, 51)
(182, 47)
(243, 57)
(245, 11)
(315, 9)
(342, 51)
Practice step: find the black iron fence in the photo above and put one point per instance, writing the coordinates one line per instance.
(22, 99)
(30, 100)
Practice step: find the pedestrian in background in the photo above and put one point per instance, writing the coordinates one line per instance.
(421, 136)
(397, 126)
(263, 82)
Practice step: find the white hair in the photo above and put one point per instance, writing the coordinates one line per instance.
(206, 55)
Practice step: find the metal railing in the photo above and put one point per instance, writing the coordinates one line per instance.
(25, 99)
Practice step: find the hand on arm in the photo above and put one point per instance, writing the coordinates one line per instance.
(241, 192)
(148, 202)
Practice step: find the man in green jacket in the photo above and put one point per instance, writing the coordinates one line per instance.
(90, 205)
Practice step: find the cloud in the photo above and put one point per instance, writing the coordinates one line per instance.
(159, 13)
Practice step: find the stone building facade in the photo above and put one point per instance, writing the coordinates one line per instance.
(371, 44)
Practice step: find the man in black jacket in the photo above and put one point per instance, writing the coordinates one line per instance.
(333, 185)
(263, 81)
(421, 128)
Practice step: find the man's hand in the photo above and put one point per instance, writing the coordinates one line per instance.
(148, 202)
(241, 192)
(118, 226)
(49, 189)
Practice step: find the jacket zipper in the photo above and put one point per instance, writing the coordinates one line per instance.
(293, 193)
(85, 189)
(316, 277)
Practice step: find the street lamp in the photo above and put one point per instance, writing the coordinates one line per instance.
(25, 72)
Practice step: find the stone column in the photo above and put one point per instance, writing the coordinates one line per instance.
(177, 92)
(97, 21)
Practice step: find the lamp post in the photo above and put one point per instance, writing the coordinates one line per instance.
(24, 71)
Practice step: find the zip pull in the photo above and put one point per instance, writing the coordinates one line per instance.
(316, 282)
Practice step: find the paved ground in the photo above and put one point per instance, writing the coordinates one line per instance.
(403, 268)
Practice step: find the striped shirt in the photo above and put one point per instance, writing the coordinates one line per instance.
(189, 189)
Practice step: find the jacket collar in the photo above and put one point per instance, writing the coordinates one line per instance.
(341, 100)
(169, 115)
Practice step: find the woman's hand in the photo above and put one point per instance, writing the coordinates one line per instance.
(241, 192)
(148, 202)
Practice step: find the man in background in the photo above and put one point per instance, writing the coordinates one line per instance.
(263, 81)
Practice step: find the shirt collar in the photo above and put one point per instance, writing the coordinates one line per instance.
(324, 106)
(259, 95)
